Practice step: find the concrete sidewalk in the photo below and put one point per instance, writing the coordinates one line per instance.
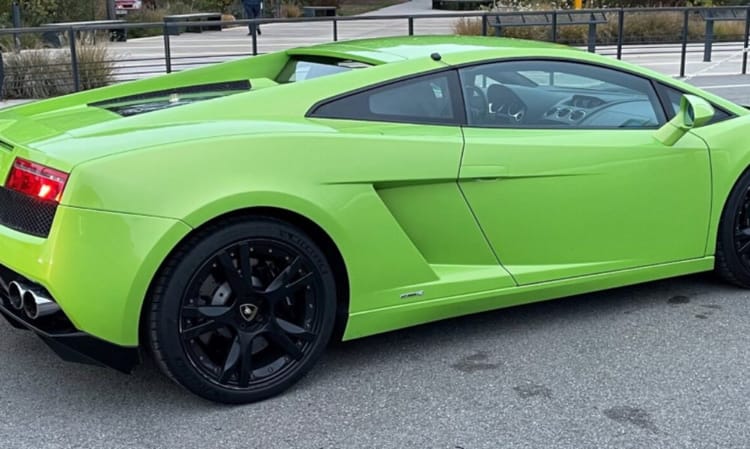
(409, 7)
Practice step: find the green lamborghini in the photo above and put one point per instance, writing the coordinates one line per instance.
(232, 220)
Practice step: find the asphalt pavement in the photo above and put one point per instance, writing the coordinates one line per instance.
(659, 365)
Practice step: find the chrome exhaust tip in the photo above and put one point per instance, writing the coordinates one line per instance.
(15, 295)
(38, 305)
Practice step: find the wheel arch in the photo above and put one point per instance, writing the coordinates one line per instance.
(316, 232)
(720, 206)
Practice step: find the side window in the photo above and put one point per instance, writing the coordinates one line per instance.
(426, 99)
(672, 97)
(557, 94)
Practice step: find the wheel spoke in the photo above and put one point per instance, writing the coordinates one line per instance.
(744, 247)
(298, 284)
(235, 279)
(245, 266)
(742, 234)
(294, 330)
(283, 277)
(200, 329)
(281, 340)
(213, 312)
(230, 363)
(246, 357)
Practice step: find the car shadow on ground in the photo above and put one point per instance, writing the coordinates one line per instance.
(26, 359)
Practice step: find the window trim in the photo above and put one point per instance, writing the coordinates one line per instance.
(658, 107)
(459, 113)
(462, 120)
(661, 88)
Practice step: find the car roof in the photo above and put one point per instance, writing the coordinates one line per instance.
(394, 49)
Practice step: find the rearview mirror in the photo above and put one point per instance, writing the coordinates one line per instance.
(694, 112)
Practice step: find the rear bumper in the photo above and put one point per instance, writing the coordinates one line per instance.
(97, 266)
(76, 346)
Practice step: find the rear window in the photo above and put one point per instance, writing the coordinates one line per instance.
(307, 68)
(169, 98)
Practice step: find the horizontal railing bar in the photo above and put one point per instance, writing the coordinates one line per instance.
(245, 22)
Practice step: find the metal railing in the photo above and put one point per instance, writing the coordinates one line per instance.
(552, 24)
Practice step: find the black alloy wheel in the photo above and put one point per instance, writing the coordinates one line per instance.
(243, 311)
(733, 241)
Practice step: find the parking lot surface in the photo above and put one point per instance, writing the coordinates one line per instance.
(659, 365)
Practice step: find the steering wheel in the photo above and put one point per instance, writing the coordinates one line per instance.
(476, 101)
(505, 104)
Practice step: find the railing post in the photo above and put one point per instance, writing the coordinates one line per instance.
(411, 26)
(709, 38)
(111, 12)
(498, 28)
(16, 24)
(683, 55)
(167, 49)
(484, 24)
(747, 32)
(74, 59)
(554, 26)
(255, 37)
(335, 30)
(592, 33)
(2, 77)
(620, 31)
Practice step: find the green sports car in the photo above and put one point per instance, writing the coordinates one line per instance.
(231, 220)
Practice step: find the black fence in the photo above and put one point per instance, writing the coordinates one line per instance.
(607, 31)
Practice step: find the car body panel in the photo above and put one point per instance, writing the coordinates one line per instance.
(97, 265)
(412, 313)
(595, 201)
(409, 207)
(354, 187)
(730, 158)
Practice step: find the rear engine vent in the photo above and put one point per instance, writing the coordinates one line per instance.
(25, 213)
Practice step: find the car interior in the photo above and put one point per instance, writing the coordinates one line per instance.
(528, 95)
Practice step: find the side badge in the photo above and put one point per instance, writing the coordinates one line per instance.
(412, 294)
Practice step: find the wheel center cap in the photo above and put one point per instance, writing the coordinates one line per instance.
(248, 311)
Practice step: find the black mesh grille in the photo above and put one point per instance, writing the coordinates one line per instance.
(26, 214)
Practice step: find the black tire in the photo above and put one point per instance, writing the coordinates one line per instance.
(242, 310)
(733, 240)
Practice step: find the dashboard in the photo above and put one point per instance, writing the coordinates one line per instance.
(585, 110)
(574, 109)
(568, 107)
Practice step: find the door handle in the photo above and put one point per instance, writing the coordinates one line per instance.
(484, 172)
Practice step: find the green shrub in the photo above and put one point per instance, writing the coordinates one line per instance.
(290, 9)
(148, 15)
(36, 12)
(646, 27)
(44, 72)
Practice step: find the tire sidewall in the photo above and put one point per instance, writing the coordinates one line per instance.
(725, 243)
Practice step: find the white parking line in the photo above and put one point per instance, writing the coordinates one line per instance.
(724, 86)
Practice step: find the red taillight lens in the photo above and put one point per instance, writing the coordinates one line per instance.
(36, 180)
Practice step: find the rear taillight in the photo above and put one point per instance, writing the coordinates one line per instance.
(36, 180)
